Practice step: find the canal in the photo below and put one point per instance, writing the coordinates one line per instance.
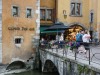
(35, 72)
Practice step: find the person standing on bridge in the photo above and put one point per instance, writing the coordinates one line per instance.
(61, 40)
(79, 37)
(86, 39)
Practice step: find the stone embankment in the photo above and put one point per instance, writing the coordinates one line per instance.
(3, 70)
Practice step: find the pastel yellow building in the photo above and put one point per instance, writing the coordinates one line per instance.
(47, 12)
(79, 14)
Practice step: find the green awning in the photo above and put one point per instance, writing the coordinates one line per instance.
(52, 31)
(42, 29)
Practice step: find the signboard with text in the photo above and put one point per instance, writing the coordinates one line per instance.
(21, 28)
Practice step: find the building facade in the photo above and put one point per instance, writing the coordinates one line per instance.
(47, 12)
(47, 16)
(78, 14)
(20, 25)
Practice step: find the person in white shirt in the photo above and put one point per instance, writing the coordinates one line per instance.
(86, 39)
(61, 40)
(61, 37)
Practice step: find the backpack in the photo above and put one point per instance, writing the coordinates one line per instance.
(79, 37)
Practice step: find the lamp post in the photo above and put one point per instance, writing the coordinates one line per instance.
(64, 13)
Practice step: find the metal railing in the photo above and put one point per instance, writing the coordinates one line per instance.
(90, 56)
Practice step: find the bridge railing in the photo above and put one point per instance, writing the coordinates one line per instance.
(75, 51)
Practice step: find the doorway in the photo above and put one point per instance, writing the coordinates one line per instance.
(70, 34)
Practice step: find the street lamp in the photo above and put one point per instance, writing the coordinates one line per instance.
(64, 14)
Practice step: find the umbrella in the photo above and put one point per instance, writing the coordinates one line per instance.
(58, 27)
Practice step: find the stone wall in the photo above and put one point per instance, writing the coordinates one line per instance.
(19, 27)
(67, 66)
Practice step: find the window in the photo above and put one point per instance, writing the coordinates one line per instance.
(46, 14)
(76, 9)
(73, 9)
(49, 14)
(91, 16)
(29, 13)
(18, 40)
(42, 14)
(15, 11)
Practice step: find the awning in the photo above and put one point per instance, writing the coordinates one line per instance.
(52, 31)
(42, 29)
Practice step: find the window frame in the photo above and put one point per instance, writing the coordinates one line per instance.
(43, 19)
(18, 44)
(48, 14)
(46, 10)
(30, 8)
(18, 11)
(17, 40)
(76, 14)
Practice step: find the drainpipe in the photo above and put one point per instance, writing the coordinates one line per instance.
(55, 15)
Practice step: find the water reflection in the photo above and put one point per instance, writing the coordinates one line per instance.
(33, 73)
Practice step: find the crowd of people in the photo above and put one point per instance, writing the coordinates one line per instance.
(83, 40)
(59, 40)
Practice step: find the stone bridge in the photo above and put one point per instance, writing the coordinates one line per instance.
(53, 62)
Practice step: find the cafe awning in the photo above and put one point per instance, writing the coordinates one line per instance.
(42, 30)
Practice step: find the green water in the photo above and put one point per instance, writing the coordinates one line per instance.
(33, 73)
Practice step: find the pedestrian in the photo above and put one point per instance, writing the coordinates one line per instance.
(61, 40)
(79, 40)
(79, 36)
(42, 42)
(86, 39)
(96, 38)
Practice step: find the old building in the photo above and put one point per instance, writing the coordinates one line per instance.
(47, 15)
(78, 14)
(20, 24)
(95, 7)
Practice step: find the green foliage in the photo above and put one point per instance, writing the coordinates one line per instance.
(80, 69)
(69, 68)
(86, 70)
(93, 72)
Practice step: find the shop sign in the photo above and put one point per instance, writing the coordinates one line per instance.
(21, 28)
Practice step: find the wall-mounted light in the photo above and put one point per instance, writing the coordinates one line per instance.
(64, 14)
